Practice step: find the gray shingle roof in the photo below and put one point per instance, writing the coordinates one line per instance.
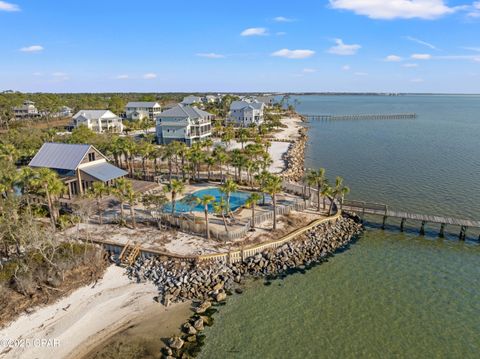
(60, 156)
(93, 114)
(184, 111)
(103, 171)
(238, 105)
(142, 104)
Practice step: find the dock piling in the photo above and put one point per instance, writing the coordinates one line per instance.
(422, 228)
(442, 230)
(402, 224)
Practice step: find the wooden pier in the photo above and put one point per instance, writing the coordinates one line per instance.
(379, 116)
(363, 208)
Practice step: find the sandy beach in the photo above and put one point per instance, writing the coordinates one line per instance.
(80, 322)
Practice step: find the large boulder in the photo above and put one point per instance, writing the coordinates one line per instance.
(202, 308)
(176, 343)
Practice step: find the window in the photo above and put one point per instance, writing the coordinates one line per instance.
(91, 156)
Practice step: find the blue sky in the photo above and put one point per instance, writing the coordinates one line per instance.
(314, 45)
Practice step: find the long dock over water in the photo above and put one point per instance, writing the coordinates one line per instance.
(363, 208)
(378, 116)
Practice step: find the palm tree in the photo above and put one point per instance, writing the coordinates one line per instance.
(338, 192)
(168, 155)
(174, 188)
(273, 186)
(98, 191)
(220, 208)
(132, 198)
(24, 180)
(317, 179)
(210, 161)
(119, 190)
(205, 201)
(227, 188)
(51, 186)
(251, 202)
(221, 157)
(262, 178)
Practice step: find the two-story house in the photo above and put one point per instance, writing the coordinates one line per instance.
(142, 110)
(77, 165)
(98, 121)
(186, 124)
(27, 109)
(244, 113)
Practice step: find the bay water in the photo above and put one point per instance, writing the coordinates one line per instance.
(391, 294)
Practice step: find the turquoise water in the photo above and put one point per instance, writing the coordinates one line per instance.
(189, 203)
(392, 294)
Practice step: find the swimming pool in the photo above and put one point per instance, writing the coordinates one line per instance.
(189, 203)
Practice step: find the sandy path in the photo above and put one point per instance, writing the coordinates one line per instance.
(81, 320)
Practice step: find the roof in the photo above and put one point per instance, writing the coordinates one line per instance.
(142, 104)
(103, 171)
(93, 114)
(238, 105)
(191, 99)
(63, 156)
(184, 111)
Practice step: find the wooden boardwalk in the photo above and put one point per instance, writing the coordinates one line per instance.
(378, 209)
(378, 116)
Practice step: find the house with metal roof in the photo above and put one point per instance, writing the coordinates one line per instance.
(245, 113)
(182, 123)
(98, 121)
(142, 110)
(191, 99)
(78, 165)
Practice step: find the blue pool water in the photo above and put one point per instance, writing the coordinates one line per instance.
(189, 203)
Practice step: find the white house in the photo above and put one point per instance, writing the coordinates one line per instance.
(28, 109)
(182, 123)
(142, 110)
(65, 111)
(98, 120)
(190, 100)
(210, 99)
(245, 113)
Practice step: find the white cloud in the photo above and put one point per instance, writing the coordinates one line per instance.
(421, 42)
(417, 80)
(392, 9)
(421, 56)
(122, 77)
(474, 10)
(410, 65)
(211, 55)
(346, 67)
(254, 31)
(60, 76)
(33, 48)
(293, 54)
(472, 48)
(282, 19)
(5, 6)
(309, 71)
(343, 49)
(150, 76)
(361, 74)
(393, 58)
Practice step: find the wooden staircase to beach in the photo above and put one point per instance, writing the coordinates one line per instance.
(129, 253)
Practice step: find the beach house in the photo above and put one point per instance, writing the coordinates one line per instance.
(245, 113)
(191, 99)
(98, 121)
(78, 165)
(27, 109)
(142, 110)
(182, 123)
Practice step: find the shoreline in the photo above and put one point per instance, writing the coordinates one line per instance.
(209, 284)
(86, 318)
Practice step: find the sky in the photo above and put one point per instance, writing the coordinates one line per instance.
(240, 46)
